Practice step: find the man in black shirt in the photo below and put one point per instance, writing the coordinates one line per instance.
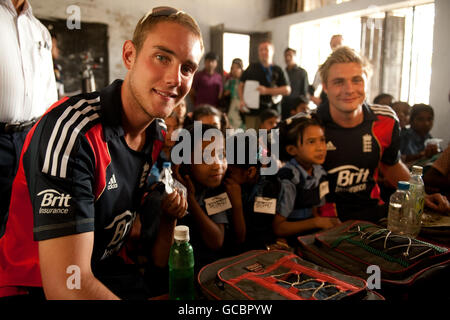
(273, 84)
(362, 140)
(298, 78)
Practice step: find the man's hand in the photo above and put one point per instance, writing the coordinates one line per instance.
(438, 202)
(174, 205)
(317, 101)
(263, 90)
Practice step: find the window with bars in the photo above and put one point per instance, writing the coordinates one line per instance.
(397, 43)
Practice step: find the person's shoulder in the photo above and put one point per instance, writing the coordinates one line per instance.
(159, 129)
(383, 111)
(254, 66)
(39, 26)
(72, 115)
(277, 68)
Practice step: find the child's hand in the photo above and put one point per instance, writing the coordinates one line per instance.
(326, 223)
(232, 188)
(186, 180)
(431, 150)
(174, 205)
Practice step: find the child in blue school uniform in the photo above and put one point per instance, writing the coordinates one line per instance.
(301, 206)
(208, 203)
(412, 140)
(253, 196)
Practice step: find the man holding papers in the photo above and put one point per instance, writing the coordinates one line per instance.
(262, 81)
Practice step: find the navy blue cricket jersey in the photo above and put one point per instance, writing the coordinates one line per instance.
(354, 155)
(77, 174)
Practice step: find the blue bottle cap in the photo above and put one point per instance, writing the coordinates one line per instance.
(403, 185)
(166, 164)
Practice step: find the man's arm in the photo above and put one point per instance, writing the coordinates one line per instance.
(395, 173)
(283, 90)
(174, 207)
(56, 255)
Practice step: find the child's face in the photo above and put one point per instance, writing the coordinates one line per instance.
(211, 175)
(172, 125)
(212, 120)
(210, 65)
(314, 148)
(270, 123)
(403, 114)
(302, 107)
(236, 70)
(422, 123)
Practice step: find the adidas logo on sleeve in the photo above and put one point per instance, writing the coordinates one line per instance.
(112, 184)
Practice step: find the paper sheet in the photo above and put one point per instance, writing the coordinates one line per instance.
(251, 94)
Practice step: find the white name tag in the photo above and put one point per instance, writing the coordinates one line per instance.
(323, 189)
(265, 205)
(217, 204)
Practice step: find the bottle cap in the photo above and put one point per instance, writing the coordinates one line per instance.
(166, 164)
(181, 233)
(417, 170)
(403, 185)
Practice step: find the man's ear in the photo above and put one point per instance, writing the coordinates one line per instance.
(292, 150)
(128, 54)
(324, 87)
(251, 172)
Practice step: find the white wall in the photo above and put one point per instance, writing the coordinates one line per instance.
(440, 74)
(121, 17)
(440, 77)
(252, 15)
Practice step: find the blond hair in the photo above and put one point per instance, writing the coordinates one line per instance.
(149, 21)
(342, 55)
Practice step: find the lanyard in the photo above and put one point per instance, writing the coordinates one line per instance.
(268, 73)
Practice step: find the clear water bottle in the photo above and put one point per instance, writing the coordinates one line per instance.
(153, 177)
(166, 177)
(399, 209)
(181, 266)
(417, 192)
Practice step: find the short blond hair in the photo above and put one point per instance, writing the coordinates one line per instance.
(148, 22)
(341, 55)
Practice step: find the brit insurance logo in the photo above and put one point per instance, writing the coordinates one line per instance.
(54, 202)
(350, 178)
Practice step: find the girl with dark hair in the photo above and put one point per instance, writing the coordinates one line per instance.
(301, 203)
(206, 197)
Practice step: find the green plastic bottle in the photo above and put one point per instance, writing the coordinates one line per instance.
(181, 266)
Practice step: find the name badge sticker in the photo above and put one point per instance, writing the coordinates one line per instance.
(217, 204)
(323, 189)
(265, 205)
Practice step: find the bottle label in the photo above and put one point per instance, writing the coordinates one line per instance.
(217, 204)
(418, 200)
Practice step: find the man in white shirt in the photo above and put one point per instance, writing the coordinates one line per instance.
(27, 86)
